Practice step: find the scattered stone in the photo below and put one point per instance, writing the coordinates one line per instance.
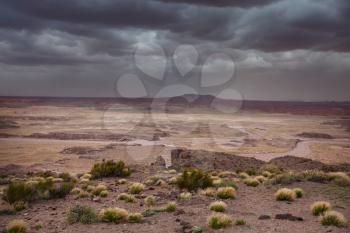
(288, 217)
(160, 162)
(264, 217)
(196, 229)
(96, 199)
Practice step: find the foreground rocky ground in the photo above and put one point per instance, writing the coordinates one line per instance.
(256, 205)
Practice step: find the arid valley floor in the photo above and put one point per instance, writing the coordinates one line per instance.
(70, 137)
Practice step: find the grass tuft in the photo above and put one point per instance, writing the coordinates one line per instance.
(218, 221)
(320, 207)
(218, 206)
(285, 194)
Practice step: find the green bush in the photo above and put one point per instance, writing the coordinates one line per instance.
(320, 207)
(109, 169)
(240, 222)
(16, 226)
(299, 193)
(61, 190)
(171, 207)
(83, 214)
(20, 191)
(333, 218)
(218, 221)
(193, 179)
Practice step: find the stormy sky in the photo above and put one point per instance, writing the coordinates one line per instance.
(281, 49)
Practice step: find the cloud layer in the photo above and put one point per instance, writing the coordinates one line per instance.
(279, 42)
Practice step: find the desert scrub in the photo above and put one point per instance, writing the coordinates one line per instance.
(285, 194)
(75, 191)
(210, 192)
(225, 174)
(136, 188)
(218, 221)
(104, 193)
(193, 179)
(226, 193)
(316, 176)
(251, 182)
(240, 222)
(152, 180)
(216, 181)
(135, 217)
(16, 226)
(218, 206)
(84, 194)
(266, 174)
(86, 176)
(333, 218)
(320, 207)
(299, 193)
(261, 179)
(114, 215)
(150, 200)
(126, 197)
(170, 207)
(98, 189)
(20, 205)
(185, 196)
(82, 213)
(121, 181)
(243, 175)
(20, 191)
(173, 180)
(286, 178)
(109, 169)
(271, 168)
(340, 178)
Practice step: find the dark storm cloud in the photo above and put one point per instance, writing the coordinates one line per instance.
(224, 3)
(267, 36)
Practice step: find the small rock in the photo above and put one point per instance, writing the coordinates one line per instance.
(196, 229)
(96, 199)
(264, 217)
(288, 217)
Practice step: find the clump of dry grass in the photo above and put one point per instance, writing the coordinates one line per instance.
(226, 193)
(333, 218)
(210, 192)
(320, 207)
(243, 175)
(285, 194)
(136, 188)
(114, 215)
(340, 178)
(104, 193)
(98, 189)
(170, 207)
(121, 181)
(261, 179)
(253, 182)
(126, 197)
(135, 217)
(218, 221)
(266, 174)
(150, 200)
(185, 196)
(299, 193)
(16, 226)
(218, 206)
